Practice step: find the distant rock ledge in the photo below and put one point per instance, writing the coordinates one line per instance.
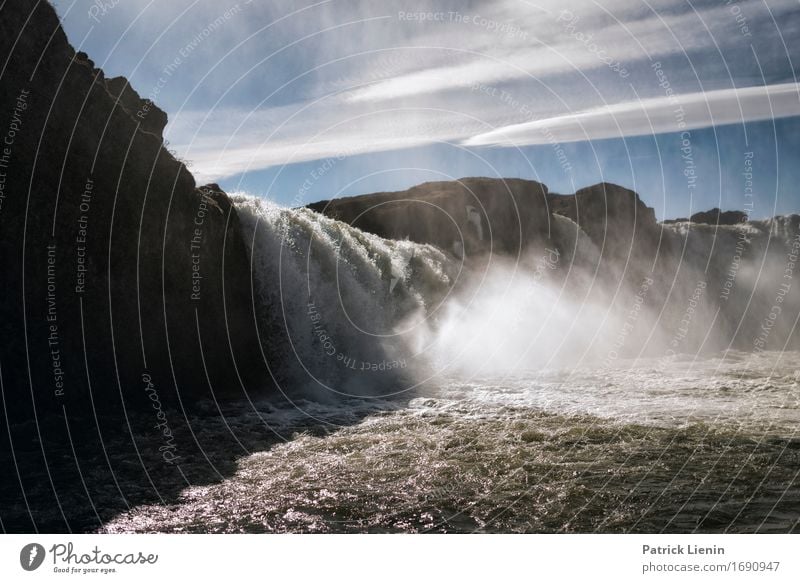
(714, 217)
(478, 214)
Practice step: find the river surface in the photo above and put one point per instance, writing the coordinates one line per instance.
(653, 445)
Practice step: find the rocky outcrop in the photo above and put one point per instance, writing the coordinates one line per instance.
(482, 215)
(615, 218)
(126, 291)
(718, 217)
(468, 216)
(116, 267)
(713, 217)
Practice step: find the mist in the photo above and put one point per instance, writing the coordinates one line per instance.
(364, 316)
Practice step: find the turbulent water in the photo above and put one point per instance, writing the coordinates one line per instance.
(680, 445)
(423, 392)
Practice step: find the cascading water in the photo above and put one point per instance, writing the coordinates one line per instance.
(343, 304)
(742, 277)
(338, 305)
(552, 395)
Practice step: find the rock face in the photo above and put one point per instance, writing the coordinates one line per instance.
(713, 217)
(615, 218)
(115, 265)
(501, 216)
(468, 216)
(126, 289)
(718, 217)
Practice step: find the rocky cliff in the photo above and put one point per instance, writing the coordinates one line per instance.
(614, 217)
(466, 217)
(115, 264)
(474, 216)
(125, 287)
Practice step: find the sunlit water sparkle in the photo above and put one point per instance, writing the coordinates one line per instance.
(677, 444)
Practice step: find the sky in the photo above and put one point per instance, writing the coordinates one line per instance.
(693, 104)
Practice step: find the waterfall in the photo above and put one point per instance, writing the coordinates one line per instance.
(344, 312)
(339, 308)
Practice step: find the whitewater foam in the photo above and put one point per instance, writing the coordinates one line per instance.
(347, 313)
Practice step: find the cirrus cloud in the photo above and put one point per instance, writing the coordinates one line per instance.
(652, 116)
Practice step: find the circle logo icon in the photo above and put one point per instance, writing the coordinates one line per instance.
(31, 556)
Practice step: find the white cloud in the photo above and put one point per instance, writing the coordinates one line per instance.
(255, 140)
(402, 84)
(652, 116)
(551, 46)
(232, 142)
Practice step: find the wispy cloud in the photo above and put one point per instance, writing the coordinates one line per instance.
(652, 116)
(281, 136)
(560, 37)
(390, 82)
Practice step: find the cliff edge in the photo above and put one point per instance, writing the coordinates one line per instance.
(116, 266)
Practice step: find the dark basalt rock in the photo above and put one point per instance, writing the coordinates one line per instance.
(150, 117)
(498, 215)
(126, 291)
(471, 215)
(717, 217)
(512, 214)
(615, 218)
(114, 263)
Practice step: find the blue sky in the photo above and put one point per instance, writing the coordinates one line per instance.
(300, 101)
